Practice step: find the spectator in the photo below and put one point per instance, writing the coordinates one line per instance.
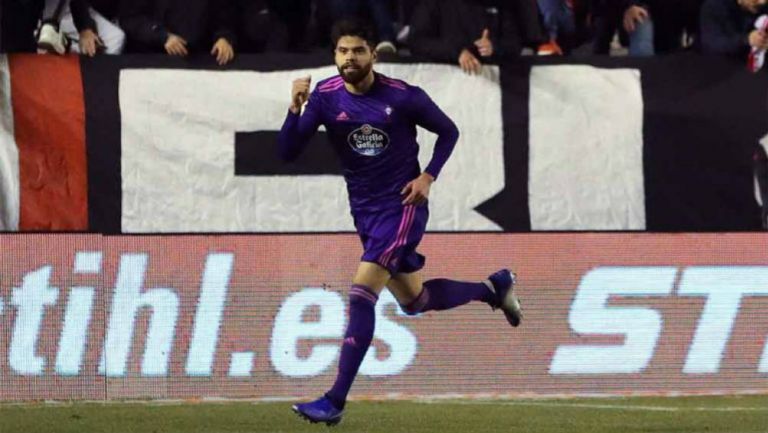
(559, 22)
(727, 27)
(90, 23)
(659, 26)
(180, 27)
(380, 12)
(471, 32)
(49, 38)
(18, 20)
(639, 25)
(606, 20)
(647, 27)
(273, 25)
(524, 15)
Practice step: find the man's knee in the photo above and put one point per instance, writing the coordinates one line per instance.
(417, 305)
(110, 33)
(371, 275)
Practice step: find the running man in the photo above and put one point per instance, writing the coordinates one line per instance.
(371, 122)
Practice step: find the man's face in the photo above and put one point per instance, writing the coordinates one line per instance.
(354, 58)
(752, 5)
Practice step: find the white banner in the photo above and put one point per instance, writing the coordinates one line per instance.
(9, 155)
(178, 152)
(586, 149)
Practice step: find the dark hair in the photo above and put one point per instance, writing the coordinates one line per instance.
(353, 27)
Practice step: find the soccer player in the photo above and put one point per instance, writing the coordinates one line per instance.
(371, 123)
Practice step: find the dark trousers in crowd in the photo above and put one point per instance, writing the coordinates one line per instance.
(670, 19)
(18, 20)
(674, 18)
(281, 26)
(607, 19)
(378, 10)
(531, 32)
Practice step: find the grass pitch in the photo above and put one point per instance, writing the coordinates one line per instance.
(746, 414)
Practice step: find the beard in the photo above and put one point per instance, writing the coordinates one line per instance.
(356, 74)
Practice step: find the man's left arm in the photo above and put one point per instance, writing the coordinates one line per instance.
(429, 116)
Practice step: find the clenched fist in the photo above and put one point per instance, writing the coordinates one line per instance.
(299, 93)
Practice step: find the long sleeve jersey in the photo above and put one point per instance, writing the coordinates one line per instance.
(374, 135)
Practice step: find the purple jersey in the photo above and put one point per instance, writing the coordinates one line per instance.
(374, 136)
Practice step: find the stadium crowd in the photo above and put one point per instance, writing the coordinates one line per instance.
(466, 32)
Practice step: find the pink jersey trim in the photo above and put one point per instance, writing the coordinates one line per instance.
(402, 234)
(331, 88)
(330, 83)
(393, 83)
(370, 297)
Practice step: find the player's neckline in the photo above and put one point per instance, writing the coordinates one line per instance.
(370, 90)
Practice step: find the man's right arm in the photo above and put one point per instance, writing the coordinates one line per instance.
(298, 128)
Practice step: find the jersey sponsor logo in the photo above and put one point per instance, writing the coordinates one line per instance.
(367, 140)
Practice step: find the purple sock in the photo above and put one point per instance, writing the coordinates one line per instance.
(442, 294)
(362, 319)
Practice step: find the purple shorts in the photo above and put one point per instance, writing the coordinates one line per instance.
(390, 237)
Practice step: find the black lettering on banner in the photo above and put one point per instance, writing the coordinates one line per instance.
(256, 155)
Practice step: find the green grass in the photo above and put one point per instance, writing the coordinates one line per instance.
(746, 414)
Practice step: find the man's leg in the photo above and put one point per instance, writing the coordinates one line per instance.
(110, 33)
(54, 9)
(67, 27)
(607, 19)
(527, 17)
(641, 40)
(382, 18)
(17, 25)
(498, 291)
(438, 294)
(367, 284)
(49, 38)
(558, 23)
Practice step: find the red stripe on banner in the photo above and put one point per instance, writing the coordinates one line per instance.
(50, 132)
